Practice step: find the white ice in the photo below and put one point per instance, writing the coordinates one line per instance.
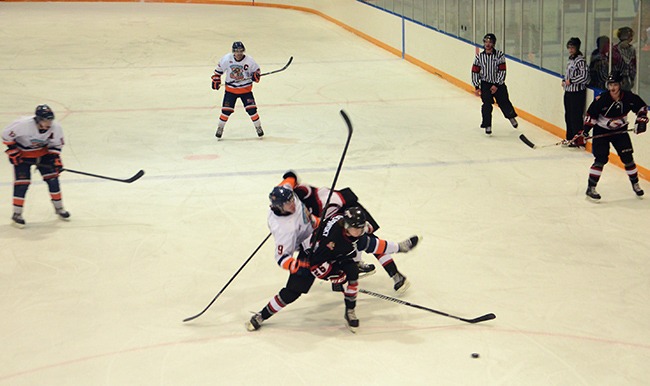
(100, 300)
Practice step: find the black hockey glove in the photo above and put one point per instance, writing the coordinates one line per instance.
(216, 81)
(256, 77)
(640, 124)
(15, 155)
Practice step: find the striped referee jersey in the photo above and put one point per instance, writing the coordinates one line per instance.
(489, 67)
(577, 73)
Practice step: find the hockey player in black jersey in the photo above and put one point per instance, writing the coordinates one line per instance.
(332, 259)
(608, 115)
(336, 246)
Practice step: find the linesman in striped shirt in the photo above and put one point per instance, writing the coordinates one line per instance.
(575, 81)
(488, 78)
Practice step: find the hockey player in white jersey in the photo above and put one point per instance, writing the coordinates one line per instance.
(238, 71)
(35, 140)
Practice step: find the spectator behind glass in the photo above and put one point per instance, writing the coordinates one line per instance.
(599, 64)
(624, 57)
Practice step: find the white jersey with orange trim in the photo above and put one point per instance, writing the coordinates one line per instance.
(237, 74)
(24, 133)
(290, 231)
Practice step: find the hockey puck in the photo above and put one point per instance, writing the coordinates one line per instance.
(475, 355)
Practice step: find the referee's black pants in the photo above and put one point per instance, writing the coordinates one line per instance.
(502, 98)
(574, 109)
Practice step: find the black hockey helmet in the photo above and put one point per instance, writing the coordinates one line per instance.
(238, 46)
(575, 42)
(43, 112)
(614, 77)
(279, 195)
(491, 37)
(354, 217)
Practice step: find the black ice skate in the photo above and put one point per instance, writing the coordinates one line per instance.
(514, 123)
(219, 132)
(401, 283)
(260, 132)
(637, 189)
(351, 319)
(63, 214)
(18, 220)
(592, 193)
(255, 323)
(365, 269)
(488, 130)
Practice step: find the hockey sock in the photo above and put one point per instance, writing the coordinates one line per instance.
(278, 303)
(387, 262)
(632, 172)
(594, 174)
(350, 293)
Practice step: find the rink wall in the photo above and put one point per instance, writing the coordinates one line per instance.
(536, 94)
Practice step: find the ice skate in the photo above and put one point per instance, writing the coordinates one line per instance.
(18, 221)
(260, 132)
(63, 214)
(255, 323)
(637, 189)
(365, 269)
(401, 283)
(591, 193)
(351, 319)
(219, 132)
(514, 123)
(488, 130)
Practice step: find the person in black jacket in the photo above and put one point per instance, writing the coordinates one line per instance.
(607, 115)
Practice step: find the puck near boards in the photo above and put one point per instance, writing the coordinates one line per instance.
(475, 355)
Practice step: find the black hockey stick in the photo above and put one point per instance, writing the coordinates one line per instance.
(229, 281)
(336, 177)
(282, 69)
(479, 319)
(135, 177)
(274, 71)
(530, 144)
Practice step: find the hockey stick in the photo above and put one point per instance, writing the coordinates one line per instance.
(274, 71)
(282, 69)
(336, 177)
(479, 319)
(135, 177)
(530, 144)
(229, 281)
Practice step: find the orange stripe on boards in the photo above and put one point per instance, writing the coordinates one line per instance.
(643, 172)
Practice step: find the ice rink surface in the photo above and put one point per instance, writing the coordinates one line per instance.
(100, 300)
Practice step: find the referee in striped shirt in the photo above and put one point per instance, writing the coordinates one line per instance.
(488, 78)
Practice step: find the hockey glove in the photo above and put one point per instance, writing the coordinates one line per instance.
(298, 264)
(216, 81)
(15, 155)
(579, 139)
(339, 278)
(640, 125)
(256, 77)
(408, 244)
(52, 161)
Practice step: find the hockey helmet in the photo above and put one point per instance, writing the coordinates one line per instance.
(614, 77)
(44, 112)
(238, 46)
(354, 217)
(491, 37)
(280, 195)
(574, 42)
